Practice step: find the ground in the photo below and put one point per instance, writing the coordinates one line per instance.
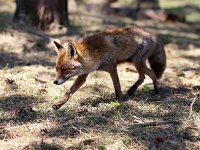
(92, 118)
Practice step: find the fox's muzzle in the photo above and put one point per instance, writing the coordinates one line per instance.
(55, 82)
(60, 81)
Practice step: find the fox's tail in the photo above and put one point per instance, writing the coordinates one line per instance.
(158, 60)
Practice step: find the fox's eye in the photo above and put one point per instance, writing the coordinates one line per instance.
(62, 68)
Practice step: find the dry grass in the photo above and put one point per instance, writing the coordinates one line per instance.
(145, 121)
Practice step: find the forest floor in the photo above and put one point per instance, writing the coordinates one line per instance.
(92, 119)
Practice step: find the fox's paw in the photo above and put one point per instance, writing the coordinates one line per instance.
(122, 99)
(56, 106)
(156, 91)
(131, 92)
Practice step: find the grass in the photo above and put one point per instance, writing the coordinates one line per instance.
(175, 3)
(145, 121)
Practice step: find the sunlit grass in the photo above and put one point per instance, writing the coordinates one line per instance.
(180, 6)
(178, 3)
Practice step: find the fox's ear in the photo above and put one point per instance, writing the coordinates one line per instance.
(58, 46)
(71, 49)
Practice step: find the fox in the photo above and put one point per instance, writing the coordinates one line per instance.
(103, 51)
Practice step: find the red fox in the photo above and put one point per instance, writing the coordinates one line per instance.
(103, 51)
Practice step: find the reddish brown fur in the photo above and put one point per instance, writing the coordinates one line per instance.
(104, 50)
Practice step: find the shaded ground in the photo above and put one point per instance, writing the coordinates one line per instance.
(92, 119)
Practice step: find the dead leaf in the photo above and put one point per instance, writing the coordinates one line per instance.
(190, 73)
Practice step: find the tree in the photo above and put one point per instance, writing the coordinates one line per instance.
(42, 13)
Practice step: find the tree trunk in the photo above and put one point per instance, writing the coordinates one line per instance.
(42, 13)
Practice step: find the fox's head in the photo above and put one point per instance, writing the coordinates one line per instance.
(66, 65)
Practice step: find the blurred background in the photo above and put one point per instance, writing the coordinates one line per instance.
(175, 21)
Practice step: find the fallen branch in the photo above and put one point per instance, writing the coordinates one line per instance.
(157, 123)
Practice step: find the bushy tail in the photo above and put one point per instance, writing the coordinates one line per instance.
(158, 60)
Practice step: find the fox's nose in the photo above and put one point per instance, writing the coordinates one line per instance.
(55, 82)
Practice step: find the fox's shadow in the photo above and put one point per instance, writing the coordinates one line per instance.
(165, 93)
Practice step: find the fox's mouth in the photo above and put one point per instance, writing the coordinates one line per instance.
(60, 81)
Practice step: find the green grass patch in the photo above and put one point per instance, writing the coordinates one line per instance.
(147, 88)
(56, 97)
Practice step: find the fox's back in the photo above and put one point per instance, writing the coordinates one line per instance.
(129, 41)
(118, 44)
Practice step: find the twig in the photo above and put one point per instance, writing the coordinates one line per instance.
(39, 80)
(80, 131)
(191, 107)
(131, 70)
(138, 120)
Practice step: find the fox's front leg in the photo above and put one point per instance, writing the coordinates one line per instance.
(115, 79)
(77, 84)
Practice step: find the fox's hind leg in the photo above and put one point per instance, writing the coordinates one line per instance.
(112, 70)
(139, 66)
(152, 75)
(116, 83)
